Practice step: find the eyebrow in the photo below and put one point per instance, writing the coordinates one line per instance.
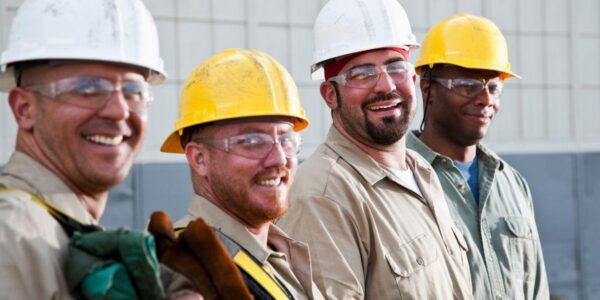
(387, 62)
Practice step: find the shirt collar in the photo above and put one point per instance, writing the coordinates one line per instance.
(213, 215)
(484, 154)
(34, 178)
(364, 164)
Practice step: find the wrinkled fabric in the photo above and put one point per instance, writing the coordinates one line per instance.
(33, 244)
(290, 261)
(505, 254)
(370, 235)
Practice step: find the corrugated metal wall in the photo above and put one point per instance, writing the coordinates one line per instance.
(548, 126)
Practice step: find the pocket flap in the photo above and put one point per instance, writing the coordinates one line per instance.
(412, 256)
(519, 226)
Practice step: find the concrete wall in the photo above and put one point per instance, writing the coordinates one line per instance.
(548, 126)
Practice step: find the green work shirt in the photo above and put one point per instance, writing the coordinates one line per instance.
(505, 254)
(371, 236)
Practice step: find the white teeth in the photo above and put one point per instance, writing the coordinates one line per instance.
(105, 140)
(382, 106)
(270, 182)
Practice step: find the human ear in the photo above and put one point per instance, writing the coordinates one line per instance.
(197, 156)
(23, 106)
(329, 94)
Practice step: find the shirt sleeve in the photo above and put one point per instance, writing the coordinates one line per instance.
(30, 264)
(338, 254)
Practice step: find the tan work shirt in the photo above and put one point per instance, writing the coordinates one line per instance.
(33, 245)
(290, 261)
(370, 235)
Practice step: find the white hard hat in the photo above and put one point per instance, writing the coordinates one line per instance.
(348, 26)
(119, 31)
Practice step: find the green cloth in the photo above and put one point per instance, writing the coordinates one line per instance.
(113, 264)
(505, 254)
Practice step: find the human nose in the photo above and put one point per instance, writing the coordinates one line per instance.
(276, 157)
(485, 98)
(385, 83)
(116, 106)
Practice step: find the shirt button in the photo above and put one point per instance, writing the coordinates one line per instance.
(491, 259)
(420, 261)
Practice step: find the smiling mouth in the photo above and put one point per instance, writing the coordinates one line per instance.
(375, 107)
(270, 182)
(105, 140)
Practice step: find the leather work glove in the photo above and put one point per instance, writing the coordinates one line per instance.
(113, 264)
(198, 254)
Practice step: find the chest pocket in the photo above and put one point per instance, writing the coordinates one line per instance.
(414, 266)
(521, 246)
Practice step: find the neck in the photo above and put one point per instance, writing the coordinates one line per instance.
(260, 233)
(392, 156)
(441, 144)
(93, 203)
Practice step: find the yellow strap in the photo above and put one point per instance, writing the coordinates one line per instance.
(260, 275)
(55, 212)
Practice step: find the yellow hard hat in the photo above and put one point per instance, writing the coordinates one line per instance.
(236, 83)
(467, 41)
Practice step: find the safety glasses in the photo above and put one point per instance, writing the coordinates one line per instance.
(470, 87)
(258, 145)
(367, 76)
(94, 92)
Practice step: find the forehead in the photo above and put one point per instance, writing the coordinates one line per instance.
(375, 57)
(451, 71)
(60, 69)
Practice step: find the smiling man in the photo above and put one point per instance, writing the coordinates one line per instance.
(238, 126)
(80, 106)
(463, 65)
(372, 212)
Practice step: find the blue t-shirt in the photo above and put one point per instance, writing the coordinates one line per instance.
(469, 171)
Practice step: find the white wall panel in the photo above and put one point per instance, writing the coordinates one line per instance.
(534, 112)
(557, 17)
(161, 120)
(586, 68)
(417, 12)
(507, 123)
(274, 40)
(530, 14)
(233, 10)
(161, 8)
(503, 13)
(471, 6)
(229, 36)
(560, 112)
(273, 10)
(588, 110)
(319, 118)
(439, 10)
(557, 60)
(585, 16)
(531, 62)
(194, 46)
(302, 46)
(193, 8)
(303, 12)
(168, 46)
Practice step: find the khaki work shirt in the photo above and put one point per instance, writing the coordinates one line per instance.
(290, 261)
(370, 235)
(505, 253)
(33, 245)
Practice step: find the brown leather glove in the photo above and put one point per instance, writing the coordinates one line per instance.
(199, 255)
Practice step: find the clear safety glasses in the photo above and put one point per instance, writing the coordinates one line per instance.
(470, 87)
(367, 76)
(258, 145)
(94, 92)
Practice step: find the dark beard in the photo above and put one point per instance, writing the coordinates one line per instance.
(392, 129)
